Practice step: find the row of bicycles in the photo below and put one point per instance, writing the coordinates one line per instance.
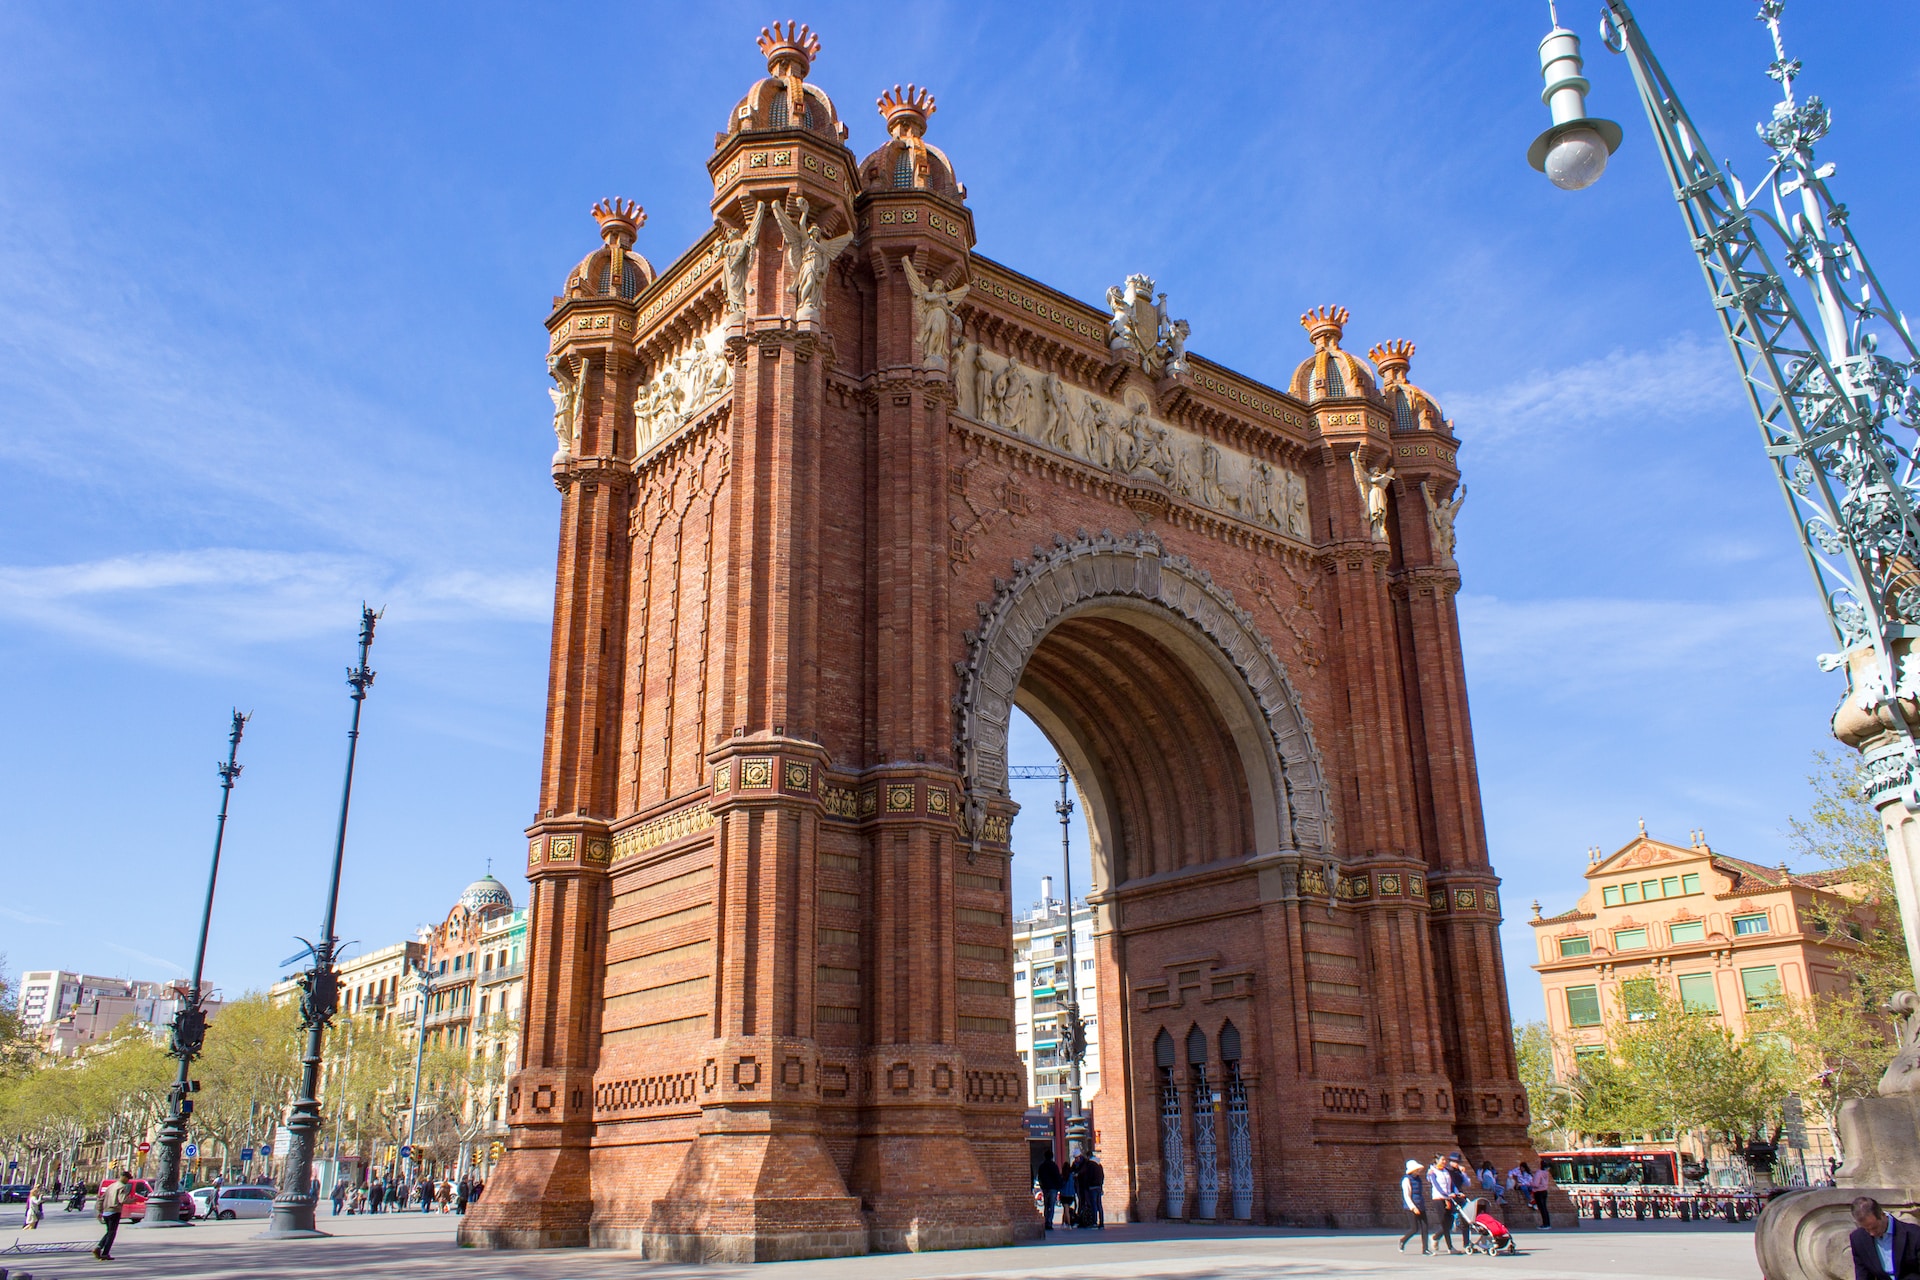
(1709, 1204)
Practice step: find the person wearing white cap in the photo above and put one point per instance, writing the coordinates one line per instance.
(1413, 1194)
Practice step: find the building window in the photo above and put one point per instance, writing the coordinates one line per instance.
(1611, 895)
(1697, 994)
(1587, 1053)
(1853, 931)
(1690, 882)
(1642, 998)
(1670, 886)
(1687, 931)
(1087, 965)
(1761, 986)
(1580, 946)
(1746, 925)
(1583, 1006)
(1629, 939)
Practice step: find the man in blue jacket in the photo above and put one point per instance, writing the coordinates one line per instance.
(1884, 1247)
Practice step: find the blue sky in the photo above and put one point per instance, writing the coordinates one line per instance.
(271, 290)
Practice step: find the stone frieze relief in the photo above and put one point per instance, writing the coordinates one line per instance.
(1124, 438)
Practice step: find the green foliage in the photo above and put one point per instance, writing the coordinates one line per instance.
(1669, 1071)
(1843, 833)
(247, 1069)
(1549, 1100)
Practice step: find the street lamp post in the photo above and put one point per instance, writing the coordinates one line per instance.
(190, 1020)
(320, 996)
(1839, 416)
(1834, 385)
(419, 1054)
(1076, 1037)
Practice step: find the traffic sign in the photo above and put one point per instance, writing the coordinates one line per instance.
(144, 1147)
(13, 1164)
(191, 1150)
(406, 1152)
(246, 1155)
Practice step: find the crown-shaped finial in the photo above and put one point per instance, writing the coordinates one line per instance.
(1392, 358)
(791, 51)
(618, 219)
(906, 113)
(1324, 325)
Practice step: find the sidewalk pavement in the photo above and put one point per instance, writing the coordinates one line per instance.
(414, 1246)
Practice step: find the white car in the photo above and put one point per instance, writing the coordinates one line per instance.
(235, 1202)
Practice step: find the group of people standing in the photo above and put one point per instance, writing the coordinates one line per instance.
(1436, 1195)
(1076, 1189)
(397, 1195)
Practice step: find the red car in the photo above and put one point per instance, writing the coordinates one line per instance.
(136, 1206)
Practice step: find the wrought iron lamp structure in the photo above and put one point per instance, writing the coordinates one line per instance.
(1832, 373)
(190, 1021)
(1075, 1038)
(293, 1207)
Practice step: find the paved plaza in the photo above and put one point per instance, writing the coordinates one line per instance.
(416, 1245)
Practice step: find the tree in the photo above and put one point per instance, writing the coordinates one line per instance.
(1840, 1042)
(1549, 1099)
(17, 1050)
(247, 1069)
(1843, 833)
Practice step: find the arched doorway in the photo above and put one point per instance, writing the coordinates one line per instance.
(1199, 778)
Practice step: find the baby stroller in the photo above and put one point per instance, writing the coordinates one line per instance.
(1486, 1233)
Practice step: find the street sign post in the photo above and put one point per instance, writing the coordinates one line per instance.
(144, 1147)
(246, 1155)
(191, 1151)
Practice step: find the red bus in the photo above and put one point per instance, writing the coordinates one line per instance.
(1613, 1167)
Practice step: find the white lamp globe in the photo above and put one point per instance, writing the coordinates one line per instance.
(1576, 159)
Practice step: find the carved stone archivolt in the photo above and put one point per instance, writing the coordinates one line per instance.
(1078, 575)
(1124, 438)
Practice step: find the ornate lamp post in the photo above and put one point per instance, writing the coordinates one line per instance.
(320, 997)
(1078, 1137)
(190, 1022)
(1832, 374)
(1839, 417)
(425, 987)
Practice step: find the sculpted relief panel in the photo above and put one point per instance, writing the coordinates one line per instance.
(1124, 438)
(679, 389)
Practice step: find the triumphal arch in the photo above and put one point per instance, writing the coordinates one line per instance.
(838, 493)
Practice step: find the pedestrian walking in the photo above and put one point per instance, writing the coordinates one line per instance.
(1543, 1188)
(425, 1193)
(396, 1196)
(1440, 1197)
(339, 1197)
(460, 1194)
(113, 1199)
(36, 1206)
(1413, 1195)
(1047, 1177)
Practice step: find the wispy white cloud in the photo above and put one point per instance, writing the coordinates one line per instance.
(167, 606)
(1683, 379)
(144, 958)
(27, 917)
(1584, 645)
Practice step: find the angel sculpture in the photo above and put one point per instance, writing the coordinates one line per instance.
(736, 250)
(935, 321)
(809, 254)
(566, 406)
(1373, 491)
(1440, 516)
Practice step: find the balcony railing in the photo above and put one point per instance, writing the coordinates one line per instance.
(505, 973)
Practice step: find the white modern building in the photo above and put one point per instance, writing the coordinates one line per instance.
(1041, 981)
(47, 995)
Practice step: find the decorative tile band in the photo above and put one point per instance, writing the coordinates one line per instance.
(697, 816)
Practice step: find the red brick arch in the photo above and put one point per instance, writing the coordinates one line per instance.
(1194, 634)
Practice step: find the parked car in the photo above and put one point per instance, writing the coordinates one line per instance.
(136, 1207)
(235, 1202)
(14, 1192)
